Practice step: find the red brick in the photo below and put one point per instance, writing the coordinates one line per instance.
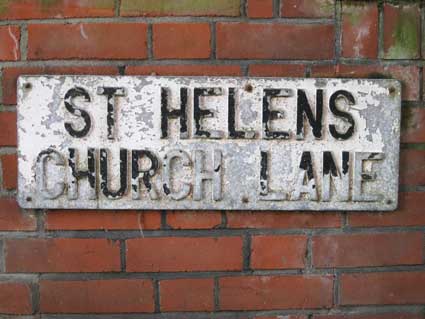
(13, 218)
(282, 220)
(62, 255)
(183, 69)
(184, 254)
(402, 31)
(324, 70)
(9, 43)
(181, 40)
(193, 220)
(187, 295)
(9, 164)
(180, 8)
(410, 212)
(281, 70)
(383, 288)
(372, 249)
(41, 9)
(105, 220)
(275, 41)
(260, 8)
(97, 296)
(386, 315)
(360, 30)
(278, 252)
(407, 75)
(8, 129)
(275, 292)
(15, 298)
(11, 74)
(87, 41)
(307, 8)
(412, 125)
(412, 167)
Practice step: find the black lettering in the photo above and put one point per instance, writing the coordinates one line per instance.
(269, 115)
(231, 123)
(199, 113)
(104, 174)
(345, 115)
(90, 173)
(329, 166)
(110, 93)
(136, 156)
(166, 113)
(307, 164)
(264, 174)
(304, 108)
(70, 106)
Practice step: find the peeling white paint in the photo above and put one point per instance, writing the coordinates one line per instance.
(41, 126)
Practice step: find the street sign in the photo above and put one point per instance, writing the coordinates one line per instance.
(101, 142)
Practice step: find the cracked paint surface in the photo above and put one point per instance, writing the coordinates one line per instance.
(185, 171)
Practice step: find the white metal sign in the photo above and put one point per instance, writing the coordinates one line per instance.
(208, 143)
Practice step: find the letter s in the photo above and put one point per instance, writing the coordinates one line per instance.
(69, 105)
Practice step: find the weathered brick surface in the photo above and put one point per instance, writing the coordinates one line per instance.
(109, 220)
(42, 9)
(97, 296)
(412, 167)
(193, 220)
(187, 295)
(278, 70)
(275, 292)
(180, 8)
(278, 252)
(9, 43)
(260, 8)
(274, 41)
(15, 298)
(9, 165)
(383, 288)
(413, 125)
(402, 31)
(184, 69)
(241, 264)
(181, 40)
(184, 254)
(13, 218)
(62, 255)
(87, 41)
(357, 250)
(8, 129)
(282, 220)
(359, 30)
(307, 8)
(409, 213)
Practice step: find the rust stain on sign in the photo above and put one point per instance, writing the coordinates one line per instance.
(103, 142)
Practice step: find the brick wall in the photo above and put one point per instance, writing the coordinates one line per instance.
(220, 264)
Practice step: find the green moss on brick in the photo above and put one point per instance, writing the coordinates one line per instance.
(326, 7)
(4, 5)
(405, 37)
(353, 14)
(45, 5)
(181, 7)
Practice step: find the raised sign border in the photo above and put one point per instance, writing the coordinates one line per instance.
(385, 118)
